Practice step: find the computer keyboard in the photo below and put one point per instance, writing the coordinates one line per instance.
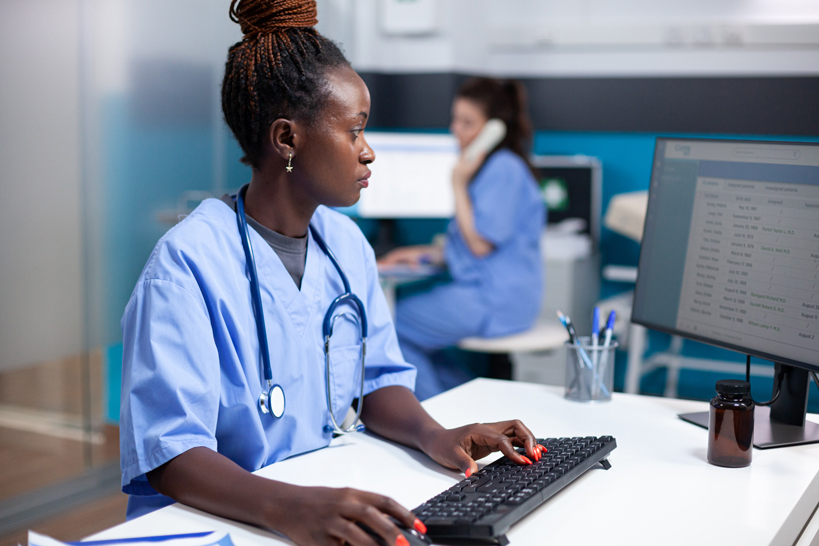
(488, 503)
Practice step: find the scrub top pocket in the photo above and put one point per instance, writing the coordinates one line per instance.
(345, 377)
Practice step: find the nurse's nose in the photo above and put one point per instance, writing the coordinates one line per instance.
(367, 155)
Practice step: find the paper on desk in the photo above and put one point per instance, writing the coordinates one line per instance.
(212, 538)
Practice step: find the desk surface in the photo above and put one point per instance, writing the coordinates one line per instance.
(660, 487)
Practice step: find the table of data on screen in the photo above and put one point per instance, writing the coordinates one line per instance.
(755, 250)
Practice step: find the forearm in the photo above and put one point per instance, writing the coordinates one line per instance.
(396, 414)
(465, 217)
(204, 479)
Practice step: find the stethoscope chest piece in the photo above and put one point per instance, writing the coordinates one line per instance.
(272, 401)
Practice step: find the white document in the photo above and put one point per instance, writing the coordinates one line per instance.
(209, 538)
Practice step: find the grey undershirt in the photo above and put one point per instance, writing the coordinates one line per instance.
(292, 251)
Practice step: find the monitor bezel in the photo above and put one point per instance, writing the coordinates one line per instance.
(694, 337)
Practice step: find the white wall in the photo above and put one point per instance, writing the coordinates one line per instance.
(40, 221)
(586, 37)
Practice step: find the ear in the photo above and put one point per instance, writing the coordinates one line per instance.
(286, 137)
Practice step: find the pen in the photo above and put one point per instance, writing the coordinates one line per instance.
(609, 328)
(595, 326)
(606, 342)
(567, 322)
(569, 327)
(595, 338)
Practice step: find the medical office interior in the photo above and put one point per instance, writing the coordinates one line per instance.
(111, 131)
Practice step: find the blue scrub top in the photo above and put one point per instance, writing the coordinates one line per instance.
(192, 369)
(510, 214)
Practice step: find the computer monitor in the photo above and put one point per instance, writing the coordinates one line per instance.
(571, 188)
(730, 257)
(411, 176)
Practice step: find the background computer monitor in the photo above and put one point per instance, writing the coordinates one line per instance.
(411, 176)
(730, 257)
(571, 188)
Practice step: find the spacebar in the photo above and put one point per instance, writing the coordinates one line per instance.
(439, 521)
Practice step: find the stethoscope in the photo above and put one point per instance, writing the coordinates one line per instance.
(272, 399)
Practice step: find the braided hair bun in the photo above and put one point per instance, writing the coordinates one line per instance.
(265, 16)
(278, 70)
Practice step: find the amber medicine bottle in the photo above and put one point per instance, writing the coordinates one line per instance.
(731, 424)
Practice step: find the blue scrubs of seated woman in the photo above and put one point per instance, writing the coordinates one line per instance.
(191, 427)
(492, 245)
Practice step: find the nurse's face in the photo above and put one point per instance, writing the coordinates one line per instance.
(335, 155)
(467, 121)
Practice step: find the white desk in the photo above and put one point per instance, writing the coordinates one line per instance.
(660, 489)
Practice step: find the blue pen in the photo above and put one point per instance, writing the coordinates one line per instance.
(595, 326)
(595, 337)
(606, 342)
(609, 328)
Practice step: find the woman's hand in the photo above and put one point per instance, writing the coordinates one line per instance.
(464, 170)
(461, 447)
(322, 515)
(413, 255)
(464, 214)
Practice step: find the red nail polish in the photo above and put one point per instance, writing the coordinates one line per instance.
(525, 458)
(468, 472)
(401, 541)
(419, 526)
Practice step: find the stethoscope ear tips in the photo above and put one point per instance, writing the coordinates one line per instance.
(272, 401)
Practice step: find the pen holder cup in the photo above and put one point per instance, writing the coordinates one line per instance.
(589, 371)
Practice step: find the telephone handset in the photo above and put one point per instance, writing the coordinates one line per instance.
(490, 136)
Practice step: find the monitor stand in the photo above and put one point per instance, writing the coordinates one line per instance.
(784, 423)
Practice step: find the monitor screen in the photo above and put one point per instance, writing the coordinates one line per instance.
(411, 176)
(730, 252)
(570, 186)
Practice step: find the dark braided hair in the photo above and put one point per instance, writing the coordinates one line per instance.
(505, 100)
(278, 70)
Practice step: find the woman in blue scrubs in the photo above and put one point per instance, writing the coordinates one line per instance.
(191, 427)
(491, 248)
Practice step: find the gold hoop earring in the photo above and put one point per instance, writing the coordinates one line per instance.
(289, 166)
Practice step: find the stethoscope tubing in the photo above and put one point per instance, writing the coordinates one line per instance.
(327, 324)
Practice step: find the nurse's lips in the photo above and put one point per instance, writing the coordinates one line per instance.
(364, 179)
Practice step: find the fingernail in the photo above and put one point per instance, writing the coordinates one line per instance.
(543, 449)
(537, 454)
(401, 541)
(525, 458)
(419, 526)
(468, 472)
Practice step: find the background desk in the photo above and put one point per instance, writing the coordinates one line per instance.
(660, 488)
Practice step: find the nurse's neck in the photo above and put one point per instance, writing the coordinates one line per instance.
(274, 200)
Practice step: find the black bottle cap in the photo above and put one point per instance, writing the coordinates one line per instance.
(733, 386)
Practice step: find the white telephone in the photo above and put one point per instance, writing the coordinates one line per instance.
(490, 136)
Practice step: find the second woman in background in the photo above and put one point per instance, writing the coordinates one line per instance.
(492, 245)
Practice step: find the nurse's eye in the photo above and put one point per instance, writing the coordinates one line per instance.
(356, 132)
